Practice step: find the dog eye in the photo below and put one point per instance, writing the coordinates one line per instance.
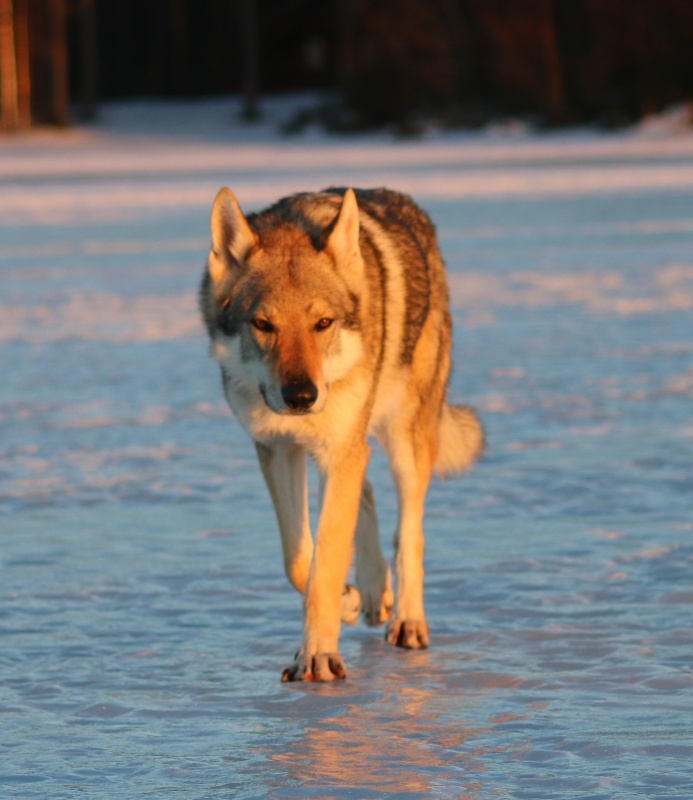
(262, 325)
(323, 324)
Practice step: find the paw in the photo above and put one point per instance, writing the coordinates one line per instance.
(351, 604)
(319, 667)
(377, 597)
(377, 608)
(409, 633)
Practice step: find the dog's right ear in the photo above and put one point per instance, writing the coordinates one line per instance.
(232, 238)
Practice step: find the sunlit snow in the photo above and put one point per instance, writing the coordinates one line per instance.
(144, 616)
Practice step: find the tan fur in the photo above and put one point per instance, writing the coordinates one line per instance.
(328, 315)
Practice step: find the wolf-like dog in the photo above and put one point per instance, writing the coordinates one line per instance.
(328, 314)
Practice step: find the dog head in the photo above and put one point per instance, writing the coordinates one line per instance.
(281, 298)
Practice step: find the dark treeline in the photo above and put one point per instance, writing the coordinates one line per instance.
(388, 61)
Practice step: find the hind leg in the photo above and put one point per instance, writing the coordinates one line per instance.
(372, 570)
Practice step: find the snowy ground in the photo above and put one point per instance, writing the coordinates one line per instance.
(144, 617)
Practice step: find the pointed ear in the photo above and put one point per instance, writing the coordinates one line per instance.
(343, 242)
(232, 238)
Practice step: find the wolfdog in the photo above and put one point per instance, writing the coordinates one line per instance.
(328, 315)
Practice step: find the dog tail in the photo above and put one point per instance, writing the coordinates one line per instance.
(461, 439)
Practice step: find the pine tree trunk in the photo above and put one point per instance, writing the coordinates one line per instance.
(9, 103)
(59, 76)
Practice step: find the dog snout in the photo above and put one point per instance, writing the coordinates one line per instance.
(299, 394)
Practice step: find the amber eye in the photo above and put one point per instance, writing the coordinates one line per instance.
(262, 325)
(323, 324)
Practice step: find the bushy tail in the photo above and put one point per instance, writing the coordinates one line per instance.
(461, 439)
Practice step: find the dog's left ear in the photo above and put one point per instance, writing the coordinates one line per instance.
(343, 242)
(232, 238)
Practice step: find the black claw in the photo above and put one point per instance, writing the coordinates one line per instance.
(338, 669)
(324, 668)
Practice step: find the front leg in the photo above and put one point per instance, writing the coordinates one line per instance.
(318, 657)
(408, 627)
(283, 465)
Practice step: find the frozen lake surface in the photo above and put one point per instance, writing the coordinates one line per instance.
(144, 616)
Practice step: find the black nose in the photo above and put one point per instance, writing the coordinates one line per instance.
(300, 394)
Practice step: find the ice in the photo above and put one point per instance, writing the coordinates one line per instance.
(144, 616)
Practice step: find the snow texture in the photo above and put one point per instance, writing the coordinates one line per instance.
(144, 616)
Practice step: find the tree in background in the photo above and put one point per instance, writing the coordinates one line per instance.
(388, 61)
(14, 67)
(403, 60)
(559, 60)
(35, 63)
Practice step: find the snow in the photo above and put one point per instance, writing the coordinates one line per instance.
(144, 616)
